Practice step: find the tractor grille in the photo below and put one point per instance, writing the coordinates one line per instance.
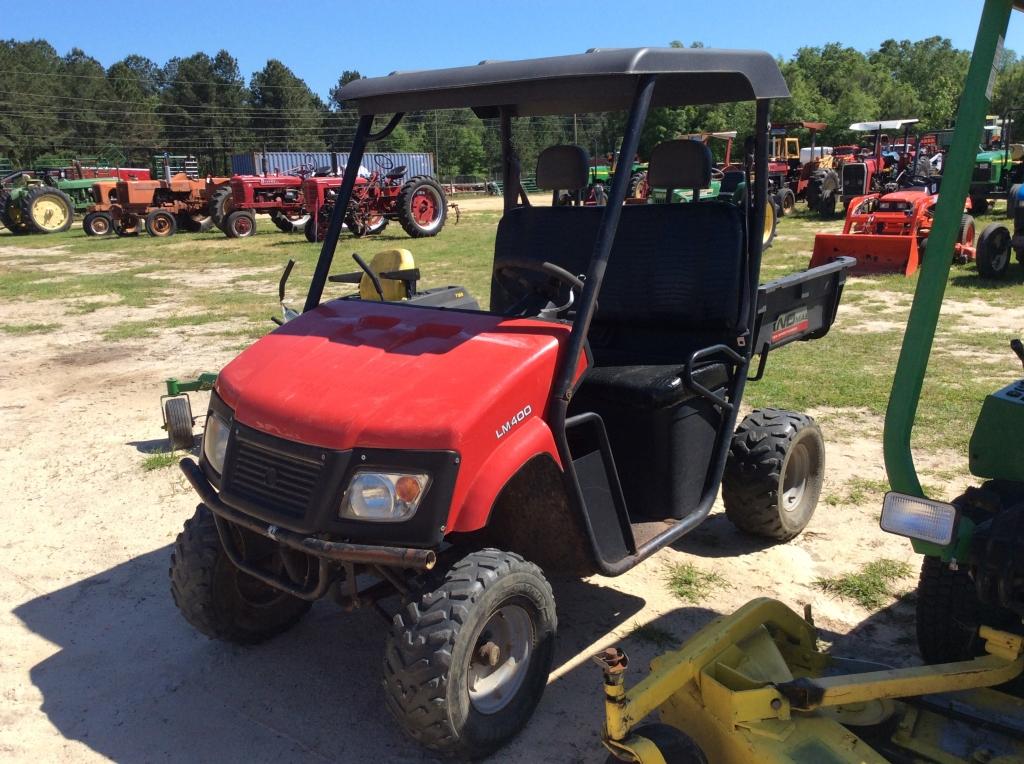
(981, 175)
(279, 482)
(854, 177)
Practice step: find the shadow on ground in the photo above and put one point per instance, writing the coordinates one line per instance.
(134, 682)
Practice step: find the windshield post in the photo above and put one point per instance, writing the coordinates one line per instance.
(602, 247)
(510, 173)
(323, 264)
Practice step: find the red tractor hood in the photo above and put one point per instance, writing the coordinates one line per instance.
(357, 373)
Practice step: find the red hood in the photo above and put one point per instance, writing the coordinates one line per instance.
(908, 196)
(355, 373)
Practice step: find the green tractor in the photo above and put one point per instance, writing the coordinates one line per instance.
(999, 167)
(28, 204)
(973, 569)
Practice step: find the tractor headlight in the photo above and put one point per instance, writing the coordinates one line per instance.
(918, 518)
(215, 441)
(383, 497)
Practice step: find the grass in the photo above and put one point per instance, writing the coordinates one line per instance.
(28, 328)
(691, 584)
(871, 587)
(160, 460)
(654, 635)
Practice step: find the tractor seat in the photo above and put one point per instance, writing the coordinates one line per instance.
(680, 164)
(396, 173)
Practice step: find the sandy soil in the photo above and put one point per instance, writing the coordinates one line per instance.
(95, 661)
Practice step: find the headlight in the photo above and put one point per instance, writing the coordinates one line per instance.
(383, 497)
(215, 441)
(918, 518)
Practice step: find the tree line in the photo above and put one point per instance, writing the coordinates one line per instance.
(55, 107)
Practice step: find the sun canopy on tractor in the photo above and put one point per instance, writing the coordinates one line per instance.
(595, 81)
(885, 124)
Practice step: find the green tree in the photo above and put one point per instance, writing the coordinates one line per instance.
(285, 113)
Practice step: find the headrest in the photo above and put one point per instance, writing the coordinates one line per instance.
(682, 163)
(562, 168)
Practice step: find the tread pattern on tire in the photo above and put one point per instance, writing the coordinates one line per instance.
(405, 218)
(750, 486)
(419, 650)
(197, 553)
(220, 205)
(179, 423)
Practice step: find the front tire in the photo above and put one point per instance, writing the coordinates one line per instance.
(674, 745)
(787, 202)
(217, 598)
(993, 251)
(97, 224)
(240, 224)
(774, 473)
(466, 664)
(178, 419)
(161, 224)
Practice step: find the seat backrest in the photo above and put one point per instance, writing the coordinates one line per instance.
(731, 180)
(680, 164)
(563, 168)
(674, 268)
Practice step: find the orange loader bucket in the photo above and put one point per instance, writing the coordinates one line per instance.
(874, 254)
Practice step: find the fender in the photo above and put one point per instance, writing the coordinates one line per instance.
(524, 442)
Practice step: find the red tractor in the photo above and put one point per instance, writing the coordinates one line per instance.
(318, 193)
(235, 206)
(418, 204)
(790, 168)
(888, 233)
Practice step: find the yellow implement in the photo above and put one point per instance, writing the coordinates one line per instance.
(753, 687)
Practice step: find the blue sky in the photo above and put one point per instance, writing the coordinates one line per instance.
(318, 40)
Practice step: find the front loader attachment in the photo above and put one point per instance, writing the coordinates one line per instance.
(874, 254)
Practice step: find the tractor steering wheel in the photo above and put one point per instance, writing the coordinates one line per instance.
(383, 161)
(527, 305)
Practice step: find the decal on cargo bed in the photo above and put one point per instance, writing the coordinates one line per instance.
(519, 416)
(789, 324)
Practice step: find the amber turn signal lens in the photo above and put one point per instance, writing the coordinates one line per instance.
(407, 489)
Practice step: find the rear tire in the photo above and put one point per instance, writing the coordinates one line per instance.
(178, 417)
(771, 223)
(774, 473)
(220, 205)
(217, 598)
(422, 207)
(47, 210)
(310, 231)
(466, 664)
(993, 251)
(1011, 199)
(674, 745)
(240, 224)
(161, 224)
(97, 224)
(286, 224)
(195, 223)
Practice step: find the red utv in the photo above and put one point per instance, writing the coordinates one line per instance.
(444, 460)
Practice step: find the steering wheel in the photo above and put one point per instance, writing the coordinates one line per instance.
(383, 161)
(716, 174)
(527, 303)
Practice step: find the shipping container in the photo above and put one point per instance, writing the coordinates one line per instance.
(280, 162)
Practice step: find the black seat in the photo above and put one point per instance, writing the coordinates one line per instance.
(396, 173)
(563, 168)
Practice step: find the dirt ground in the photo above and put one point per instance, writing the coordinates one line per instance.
(96, 663)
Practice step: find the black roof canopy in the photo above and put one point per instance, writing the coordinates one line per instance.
(598, 80)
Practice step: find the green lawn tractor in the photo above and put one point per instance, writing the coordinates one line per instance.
(999, 167)
(30, 205)
(754, 686)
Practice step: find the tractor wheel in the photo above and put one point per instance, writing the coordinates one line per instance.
(97, 224)
(979, 205)
(774, 473)
(10, 215)
(637, 182)
(127, 225)
(823, 193)
(195, 223)
(674, 745)
(359, 227)
(220, 600)
(161, 224)
(47, 210)
(220, 205)
(993, 251)
(466, 663)
(178, 419)
(787, 202)
(240, 224)
(286, 224)
(1011, 199)
(310, 231)
(771, 222)
(422, 207)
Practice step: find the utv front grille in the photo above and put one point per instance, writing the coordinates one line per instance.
(280, 482)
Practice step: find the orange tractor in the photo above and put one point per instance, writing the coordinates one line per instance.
(888, 233)
(161, 206)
